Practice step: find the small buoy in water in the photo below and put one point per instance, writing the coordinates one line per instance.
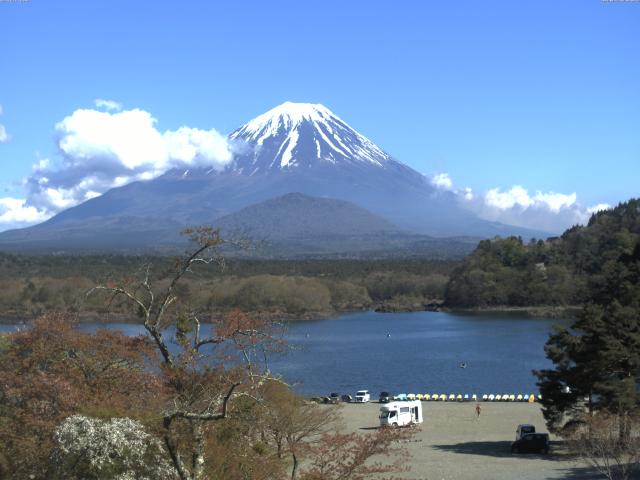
(388, 334)
(463, 365)
(307, 335)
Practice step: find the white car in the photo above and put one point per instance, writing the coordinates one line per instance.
(362, 396)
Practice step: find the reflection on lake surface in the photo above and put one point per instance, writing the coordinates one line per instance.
(419, 352)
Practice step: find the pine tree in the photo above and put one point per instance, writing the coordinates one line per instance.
(599, 357)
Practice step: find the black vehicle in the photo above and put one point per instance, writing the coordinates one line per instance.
(524, 429)
(385, 397)
(531, 443)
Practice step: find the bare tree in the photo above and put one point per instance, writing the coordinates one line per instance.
(219, 376)
(293, 423)
(206, 373)
(610, 443)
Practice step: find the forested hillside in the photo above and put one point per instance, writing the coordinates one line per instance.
(559, 271)
(31, 285)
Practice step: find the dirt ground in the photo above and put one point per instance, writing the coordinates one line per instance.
(453, 444)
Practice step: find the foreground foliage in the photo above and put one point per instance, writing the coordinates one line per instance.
(202, 395)
(610, 444)
(51, 371)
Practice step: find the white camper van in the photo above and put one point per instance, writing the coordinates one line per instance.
(401, 413)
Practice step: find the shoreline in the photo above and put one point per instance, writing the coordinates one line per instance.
(549, 311)
(566, 312)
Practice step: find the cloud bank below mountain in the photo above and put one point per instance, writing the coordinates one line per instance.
(548, 211)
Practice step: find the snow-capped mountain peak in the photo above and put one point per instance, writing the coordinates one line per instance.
(302, 135)
(289, 115)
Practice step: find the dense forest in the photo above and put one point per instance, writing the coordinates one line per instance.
(559, 271)
(31, 285)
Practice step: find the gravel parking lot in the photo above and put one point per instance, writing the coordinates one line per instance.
(453, 444)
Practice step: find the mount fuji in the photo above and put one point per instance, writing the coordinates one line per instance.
(295, 147)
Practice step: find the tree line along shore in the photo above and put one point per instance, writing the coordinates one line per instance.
(295, 289)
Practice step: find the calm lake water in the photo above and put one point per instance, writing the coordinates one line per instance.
(418, 352)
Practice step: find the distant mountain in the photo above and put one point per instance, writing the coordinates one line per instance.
(299, 216)
(96, 234)
(295, 147)
(297, 225)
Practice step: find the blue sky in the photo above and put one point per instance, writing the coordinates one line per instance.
(540, 94)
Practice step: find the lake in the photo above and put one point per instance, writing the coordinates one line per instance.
(418, 352)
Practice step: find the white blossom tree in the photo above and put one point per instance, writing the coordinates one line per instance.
(114, 449)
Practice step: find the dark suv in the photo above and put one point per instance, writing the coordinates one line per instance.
(531, 443)
(385, 397)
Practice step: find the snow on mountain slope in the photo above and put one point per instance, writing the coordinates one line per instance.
(294, 135)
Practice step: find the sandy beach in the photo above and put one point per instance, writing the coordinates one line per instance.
(453, 444)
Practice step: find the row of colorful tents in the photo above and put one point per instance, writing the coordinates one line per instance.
(443, 397)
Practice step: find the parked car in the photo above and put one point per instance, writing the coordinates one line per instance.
(531, 443)
(334, 398)
(362, 396)
(524, 429)
(385, 397)
(346, 398)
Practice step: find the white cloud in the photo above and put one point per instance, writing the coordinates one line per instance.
(4, 136)
(125, 140)
(598, 208)
(555, 201)
(546, 211)
(442, 181)
(129, 141)
(108, 104)
(14, 211)
(197, 148)
(100, 150)
(503, 201)
(518, 196)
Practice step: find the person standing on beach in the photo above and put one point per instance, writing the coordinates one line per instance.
(478, 410)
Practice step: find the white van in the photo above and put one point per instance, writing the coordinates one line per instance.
(398, 414)
(362, 396)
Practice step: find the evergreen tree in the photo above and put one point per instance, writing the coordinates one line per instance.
(599, 357)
